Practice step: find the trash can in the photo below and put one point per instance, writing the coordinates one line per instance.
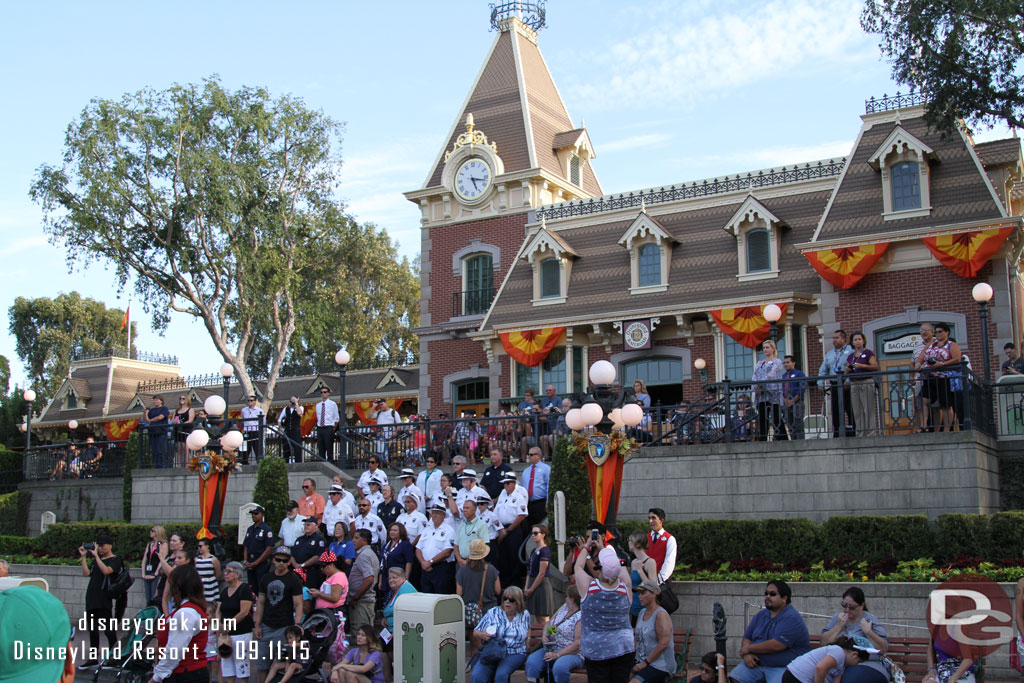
(430, 639)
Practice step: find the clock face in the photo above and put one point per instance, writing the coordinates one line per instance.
(473, 179)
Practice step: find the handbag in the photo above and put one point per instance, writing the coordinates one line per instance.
(667, 599)
(120, 584)
(493, 651)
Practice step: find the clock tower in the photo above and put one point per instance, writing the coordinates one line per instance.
(511, 148)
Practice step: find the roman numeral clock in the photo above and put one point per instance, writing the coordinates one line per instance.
(471, 165)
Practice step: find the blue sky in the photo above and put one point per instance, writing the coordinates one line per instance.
(671, 92)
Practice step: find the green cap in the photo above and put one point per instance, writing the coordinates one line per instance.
(38, 620)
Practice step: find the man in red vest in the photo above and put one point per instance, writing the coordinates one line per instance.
(663, 544)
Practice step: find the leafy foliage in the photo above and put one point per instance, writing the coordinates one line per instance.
(218, 205)
(5, 375)
(271, 490)
(569, 475)
(48, 331)
(132, 455)
(965, 53)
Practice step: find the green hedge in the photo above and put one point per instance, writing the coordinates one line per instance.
(569, 475)
(17, 545)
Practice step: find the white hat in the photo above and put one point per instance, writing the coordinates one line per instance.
(469, 474)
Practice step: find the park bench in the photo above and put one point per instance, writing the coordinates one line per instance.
(911, 655)
(681, 639)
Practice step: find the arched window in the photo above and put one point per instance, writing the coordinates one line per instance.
(906, 186)
(479, 284)
(650, 265)
(549, 279)
(759, 257)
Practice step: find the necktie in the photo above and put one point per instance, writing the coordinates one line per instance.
(533, 471)
(323, 413)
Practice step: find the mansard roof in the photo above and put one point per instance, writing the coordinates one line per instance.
(515, 102)
(1006, 152)
(960, 190)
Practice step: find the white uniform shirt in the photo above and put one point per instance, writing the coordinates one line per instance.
(337, 513)
(375, 499)
(413, 522)
(421, 503)
(434, 540)
(449, 518)
(463, 494)
(373, 524)
(493, 525)
(509, 507)
(431, 484)
(290, 531)
(364, 480)
(350, 500)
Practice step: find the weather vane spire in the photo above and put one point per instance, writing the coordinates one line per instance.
(532, 14)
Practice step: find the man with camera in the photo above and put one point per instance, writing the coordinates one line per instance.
(98, 600)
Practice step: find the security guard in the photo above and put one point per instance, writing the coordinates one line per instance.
(511, 512)
(435, 553)
(307, 550)
(257, 548)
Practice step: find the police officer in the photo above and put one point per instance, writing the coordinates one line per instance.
(257, 548)
(435, 553)
(307, 550)
(511, 510)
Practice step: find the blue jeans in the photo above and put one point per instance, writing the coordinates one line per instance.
(486, 673)
(150, 588)
(759, 674)
(561, 669)
(157, 446)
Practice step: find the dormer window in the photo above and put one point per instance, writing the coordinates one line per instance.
(756, 230)
(551, 259)
(550, 285)
(650, 249)
(574, 169)
(903, 162)
(70, 402)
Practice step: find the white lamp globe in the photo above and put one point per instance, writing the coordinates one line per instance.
(227, 370)
(772, 313)
(342, 357)
(592, 414)
(616, 417)
(72, 424)
(232, 440)
(23, 427)
(700, 363)
(982, 292)
(602, 372)
(632, 414)
(214, 405)
(197, 440)
(29, 395)
(574, 419)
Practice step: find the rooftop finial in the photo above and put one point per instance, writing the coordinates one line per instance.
(530, 13)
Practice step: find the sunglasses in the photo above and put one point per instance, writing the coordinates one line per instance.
(849, 607)
(535, 533)
(281, 560)
(305, 486)
(771, 594)
(509, 600)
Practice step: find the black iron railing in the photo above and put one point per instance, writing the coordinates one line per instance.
(530, 13)
(472, 302)
(134, 354)
(75, 460)
(897, 101)
(827, 168)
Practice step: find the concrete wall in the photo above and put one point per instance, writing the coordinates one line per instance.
(900, 605)
(171, 495)
(73, 500)
(928, 474)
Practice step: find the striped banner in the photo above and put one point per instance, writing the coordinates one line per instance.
(118, 430)
(844, 267)
(746, 325)
(967, 253)
(530, 347)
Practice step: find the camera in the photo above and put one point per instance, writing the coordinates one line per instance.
(89, 545)
(593, 535)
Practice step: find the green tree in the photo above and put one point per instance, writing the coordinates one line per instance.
(215, 204)
(5, 375)
(47, 332)
(966, 54)
(271, 490)
(12, 413)
(569, 475)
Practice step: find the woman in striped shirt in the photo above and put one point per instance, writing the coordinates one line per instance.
(509, 623)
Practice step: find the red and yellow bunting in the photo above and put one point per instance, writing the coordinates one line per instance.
(844, 267)
(307, 425)
(118, 430)
(746, 325)
(530, 347)
(967, 253)
(363, 409)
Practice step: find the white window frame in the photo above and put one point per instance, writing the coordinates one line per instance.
(642, 231)
(542, 246)
(753, 215)
(902, 147)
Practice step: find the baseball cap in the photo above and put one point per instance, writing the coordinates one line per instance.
(105, 539)
(380, 400)
(651, 586)
(283, 550)
(258, 510)
(609, 562)
(292, 505)
(309, 520)
(468, 474)
(37, 619)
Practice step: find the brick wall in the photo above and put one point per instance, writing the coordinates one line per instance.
(448, 356)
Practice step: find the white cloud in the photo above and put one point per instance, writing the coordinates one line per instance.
(783, 155)
(23, 244)
(692, 57)
(634, 142)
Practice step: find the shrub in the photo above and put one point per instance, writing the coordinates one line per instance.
(131, 461)
(9, 513)
(63, 540)
(24, 499)
(961, 534)
(1006, 531)
(17, 545)
(874, 538)
(569, 475)
(271, 490)
(11, 466)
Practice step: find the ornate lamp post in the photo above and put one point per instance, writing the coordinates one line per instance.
(342, 358)
(982, 293)
(772, 313)
(702, 373)
(72, 426)
(29, 396)
(227, 371)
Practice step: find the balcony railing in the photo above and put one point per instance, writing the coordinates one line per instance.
(472, 302)
(134, 354)
(897, 101)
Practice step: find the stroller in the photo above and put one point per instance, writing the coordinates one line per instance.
(321, 628)
(132, 669)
